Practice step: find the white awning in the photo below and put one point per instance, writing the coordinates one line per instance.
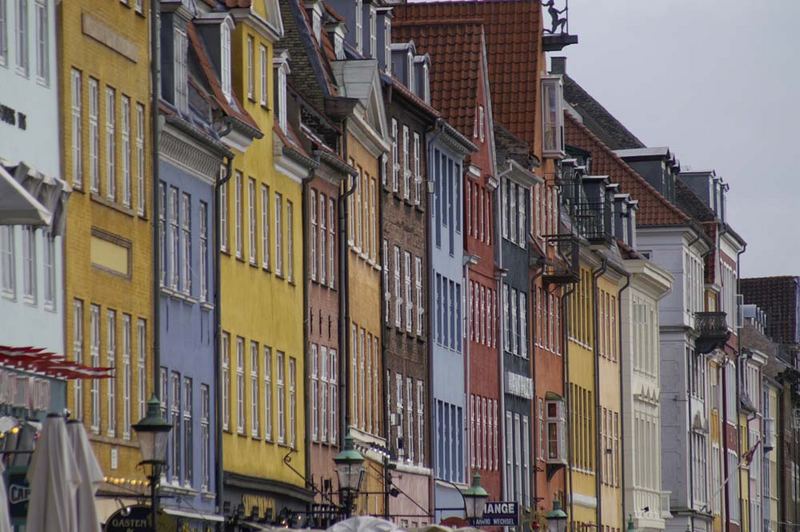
(17, 205)
(193, 515)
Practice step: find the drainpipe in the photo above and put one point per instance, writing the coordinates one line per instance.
(567, 396)
(218, 329)
(621, 388)
(532, 335)
(596, 274)
(155, 83)
(387, 431)
(344, 303)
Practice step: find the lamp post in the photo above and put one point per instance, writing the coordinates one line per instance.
(556, 518)
(474, 499)
(630, 528)
(152, 431)
(350, 470)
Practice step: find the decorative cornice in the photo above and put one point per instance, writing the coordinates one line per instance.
(185, 154)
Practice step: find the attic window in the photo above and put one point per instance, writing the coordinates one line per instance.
(481, 123)
(426, 83)
(387, 43)
(281, 66)
(359, 15)
(373, 32)
(180, 75)
(553, 117)
(410, 70)
(225, 58)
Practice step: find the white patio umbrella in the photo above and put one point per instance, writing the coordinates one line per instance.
(364, 523)
(53, 477)
(5, 520)
(90, 476)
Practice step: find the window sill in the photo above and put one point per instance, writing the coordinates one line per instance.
(240, 258)
(11, 296)
(207, 306)
(266, 269)
(110, 204)
(253, 263)
(28, 300)
(225, 251)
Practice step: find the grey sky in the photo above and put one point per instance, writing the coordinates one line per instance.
(718, 81)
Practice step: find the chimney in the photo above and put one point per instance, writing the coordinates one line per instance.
(558, 65)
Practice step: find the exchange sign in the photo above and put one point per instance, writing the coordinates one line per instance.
(499, 514)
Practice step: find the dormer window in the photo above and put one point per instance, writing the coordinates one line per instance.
(410, 70)
(359, 25)
(315, 9)
(373, 32)
(481, 123)
(180, 72)
(281, 66)
(225, 58)
(426, 83)
(387, 43)
(553, 117)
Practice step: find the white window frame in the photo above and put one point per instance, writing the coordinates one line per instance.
(552, 117)
(23, 54)
(251, 72)
(29, 265)
(225, 57)
(3, 33)
(94, 344)
(126, 151)
(174, 239)
(395, 158)
(267, 393)
(281, 390)
(323, 238)
(406, 165)
(265, 245)
(141, 365)
(240, 411)
(180, 75)
(141, 199)
(226, 381)
(203, 254)
(331, 243)
(407, 291)
(76, 94)
(77, 353)
(264, 76)
(94, 136)
(111, 362)
(420, 299)
(255, 410)
(333, 370)
(186, 243)
(278, 234)
(316, 403)
(252, 232)
(238, 221)
(126, 376)
(289, 240)
(417, 170)
(292, 402)
(111, 144)
(359, 23)
(205, 437)
(398, 300)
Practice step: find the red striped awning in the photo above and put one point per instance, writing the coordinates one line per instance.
(39, 360)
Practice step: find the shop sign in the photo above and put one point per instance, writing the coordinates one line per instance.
(503, 513)
(24, 391)
(18, 492)
(135, 518)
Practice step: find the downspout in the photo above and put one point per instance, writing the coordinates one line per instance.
(621, 388)
(155, 83)
(344, 303)
(532, 335)
(468, 443)
(387, 430)
(218, 329)
(567, 396)
(596, 274)
(304, 208)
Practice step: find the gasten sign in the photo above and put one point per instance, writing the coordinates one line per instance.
(135, 518)
(502, 513)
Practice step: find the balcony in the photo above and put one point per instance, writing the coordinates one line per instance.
(564, 269)
(712, 331)
(593, 220)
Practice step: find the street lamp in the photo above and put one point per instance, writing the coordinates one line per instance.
(474, 498)
(152, 432)
(350, 470)
(630, 528)
(556, 518)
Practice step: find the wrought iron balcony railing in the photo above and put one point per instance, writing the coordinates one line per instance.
(713, 331)
(593, 220)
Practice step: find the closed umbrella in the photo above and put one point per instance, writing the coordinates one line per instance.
(53, 477)
(5, 521)
(90, 476)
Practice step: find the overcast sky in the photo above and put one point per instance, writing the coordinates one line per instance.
(718, 81)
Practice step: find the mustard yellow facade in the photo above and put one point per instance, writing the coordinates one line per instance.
(262, 351)
(105, 104)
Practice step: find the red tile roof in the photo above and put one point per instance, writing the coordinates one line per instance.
(401, 89)
(513, 33)
(654, 209)
(455, 49)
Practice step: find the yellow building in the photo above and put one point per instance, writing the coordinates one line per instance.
(105, 104)
(262, 342)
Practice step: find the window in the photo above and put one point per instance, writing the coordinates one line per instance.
(225, 58)
(395, 158)
(323, 237)
(281, 398)
(111, 145)
(373, 32)
(523, 324)
(188, 439)
(267, 393)
(175, 434)
(417, 172)
(94, 328)
(141, 369)
(174, 242)
(180, 74)
(251, 221)
(29, 263)
(8, 261)
(240, 385)
(238, 214)
(94, 136)
(126, 376)
(418, 290)
(203, 215)
(251, 73)
(22, 36)
(162, 232)
(77, 352)
(409, 443)
(481, 123)
(263, 60)
(553, 117)
(333, 371)
(359, 25)
(186, 243)
(407, 290)
(406, 167)
(111, 362)
(205, 437)
(398, 300)
(223, 217)
(290, 240)
(77, 111)
(265, 227)
(420, 423)
(322, 394)
(278, 234)
(139, 6)
(292, 402)
(255, 413)
(140, 194)
(331, 242)
(315, 402)
(3, 34)
(282, 70)
(314, 231)
(126, 151)
(226, 381)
